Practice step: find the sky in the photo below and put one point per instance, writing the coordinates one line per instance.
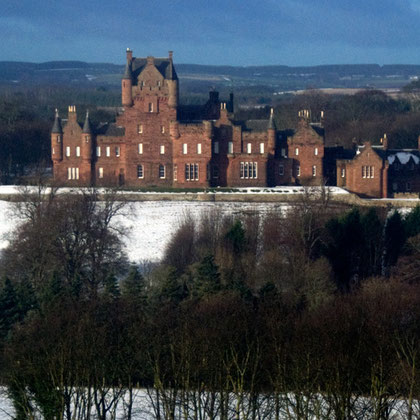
(231, 32)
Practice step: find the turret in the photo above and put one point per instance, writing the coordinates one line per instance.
(87, 139)
(127, 82)
(172, 82)
(57, 139)
(271, 133)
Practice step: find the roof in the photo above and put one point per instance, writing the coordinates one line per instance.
(256, 125)
(110, 130)
(164, 66)
(56, 128)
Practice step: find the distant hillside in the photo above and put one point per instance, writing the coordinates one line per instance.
(276, 78)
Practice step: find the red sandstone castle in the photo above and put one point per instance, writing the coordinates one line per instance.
(150, 145)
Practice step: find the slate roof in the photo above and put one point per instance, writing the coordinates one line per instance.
(110, 130)
(56, 128)
(256, 125)
(164, 65)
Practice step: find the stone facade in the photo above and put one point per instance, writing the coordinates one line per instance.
(150, 145)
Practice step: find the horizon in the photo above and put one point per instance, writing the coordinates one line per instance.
(300, 33)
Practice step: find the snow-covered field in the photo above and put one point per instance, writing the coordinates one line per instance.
(148, 224)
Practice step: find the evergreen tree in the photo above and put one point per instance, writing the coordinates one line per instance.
(9, 308)
(236, 238)
(207, 279)
(412, 222)
(172, 290)
(133, 287)
(394, 241)
(112, 289)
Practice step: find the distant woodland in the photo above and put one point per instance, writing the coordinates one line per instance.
(310, 313)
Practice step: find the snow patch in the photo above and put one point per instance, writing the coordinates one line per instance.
(403, 157)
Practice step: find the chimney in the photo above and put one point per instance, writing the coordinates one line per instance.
(150, 60)
(72, 116)
(385, 142)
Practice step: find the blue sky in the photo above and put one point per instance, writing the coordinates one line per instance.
(235, 32)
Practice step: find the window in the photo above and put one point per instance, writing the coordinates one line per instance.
(175, 172)
(162, 129)
(58, 138)
(150, 107)
(162, 150)
(316, 151)
(261, 148)
(68, 152)
(191, 172)
(248, 170)
(101, 172)
(343, 172)
(185, 148)
(140, 173)
(297, 151)
(199, 148)
(158, 83)
(283, 152)
(216, 147)
(78, 151)
(314, 170)
(140, 148)
(161, 171)
(249, 148)
(230, 147)
(368, 172)
(140, 129)
(86, 139)
(281, 170)
(108, 151)
(98, 151)
(53, 151)
(298, 170)
(73, 173)
(117, 151)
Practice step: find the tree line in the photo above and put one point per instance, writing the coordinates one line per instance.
(309, 312)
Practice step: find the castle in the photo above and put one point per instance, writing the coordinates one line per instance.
(150, 145)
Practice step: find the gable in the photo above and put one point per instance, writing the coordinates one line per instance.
(150, 76)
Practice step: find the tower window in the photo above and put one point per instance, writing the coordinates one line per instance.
(297, 151)
(68, 152)
(316, 151)
(78, 151)
(140, 173)
(162, 171)
(162, 150)
(140, 148)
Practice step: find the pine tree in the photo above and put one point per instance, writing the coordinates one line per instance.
(112, 290)
(207, 279)
(394, 240)
(9, 308)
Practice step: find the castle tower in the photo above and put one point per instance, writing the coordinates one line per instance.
(57, 139)
(172, 81)
(271, 134)
(86, 149)
(127, 82)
